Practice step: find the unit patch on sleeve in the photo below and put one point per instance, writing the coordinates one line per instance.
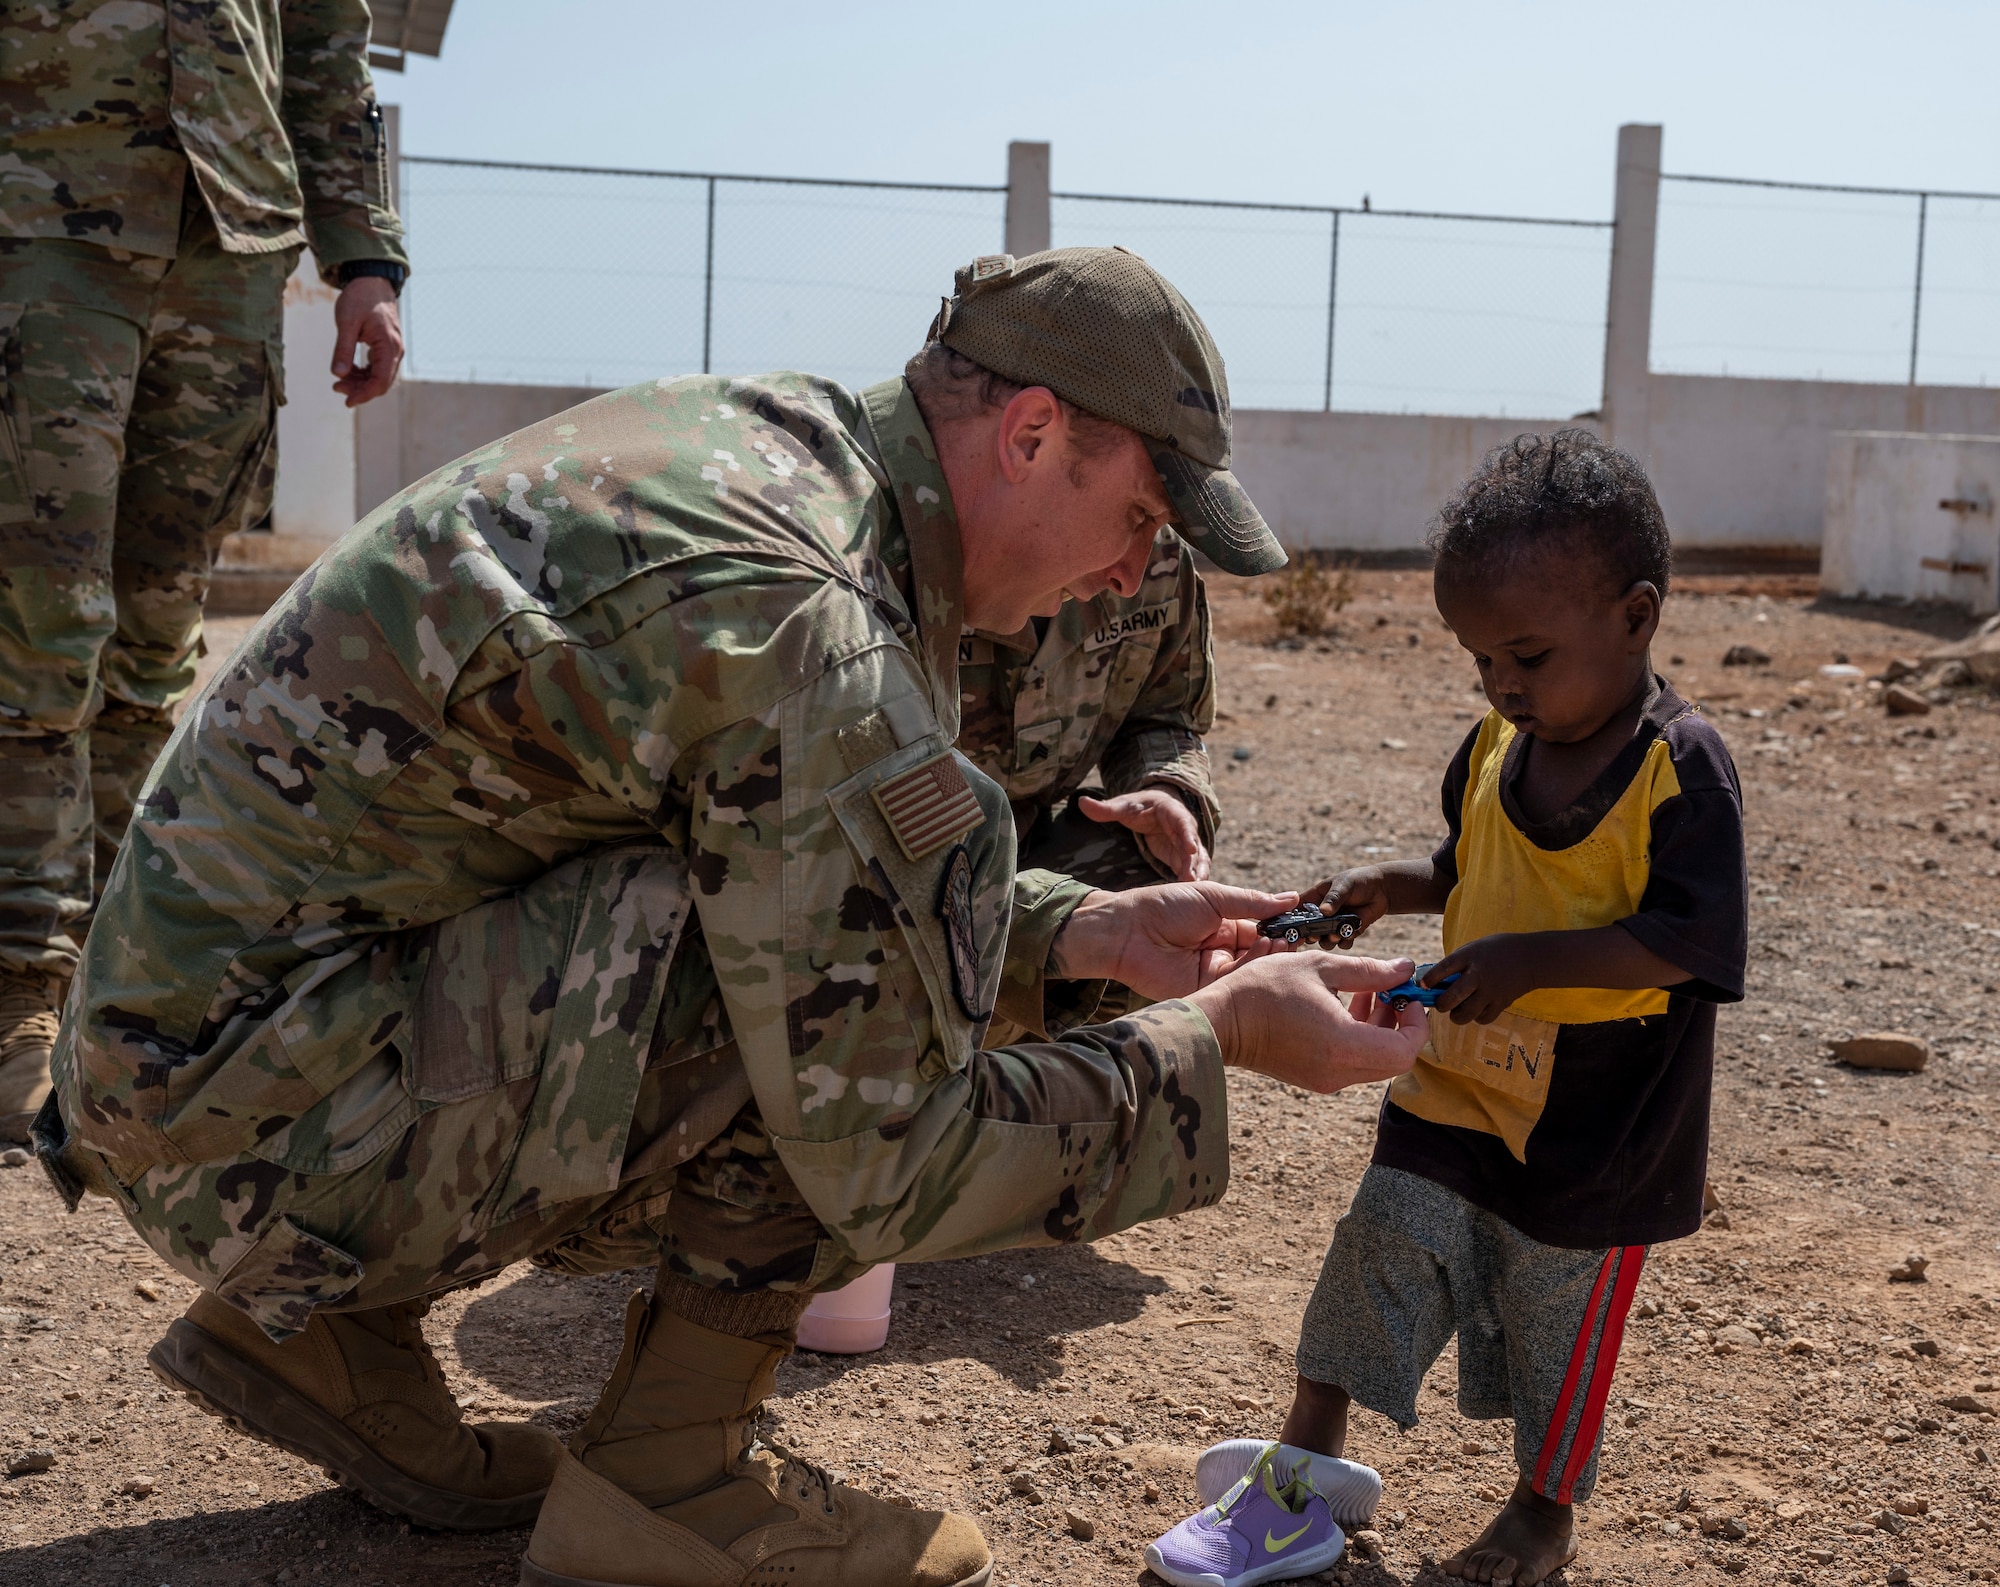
(928, 805)
(1129, 625)
(954, 908)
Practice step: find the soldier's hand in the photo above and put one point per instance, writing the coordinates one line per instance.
(365, 312)
(1166, 941)
(1282, 1018)
(1165, 827)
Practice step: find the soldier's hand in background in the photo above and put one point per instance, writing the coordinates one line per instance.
(1165, 827)
(1282, 1018)
(1166, 941)
(365, 312)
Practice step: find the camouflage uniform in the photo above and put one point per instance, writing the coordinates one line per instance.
(160, 168)
(575, 862)
(1120, 686)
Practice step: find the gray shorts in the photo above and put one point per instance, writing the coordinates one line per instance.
(1538, 1325)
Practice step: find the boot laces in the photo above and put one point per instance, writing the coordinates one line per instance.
(806, 1476)
(28, 1014)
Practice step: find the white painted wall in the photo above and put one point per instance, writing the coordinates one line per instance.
(315, 498)
(1913, 516)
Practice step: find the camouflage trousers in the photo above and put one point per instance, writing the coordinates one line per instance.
(138, 401)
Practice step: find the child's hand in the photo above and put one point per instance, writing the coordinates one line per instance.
(1364, 890)
(1492, 973)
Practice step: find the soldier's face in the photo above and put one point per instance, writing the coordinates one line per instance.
(1044, 521)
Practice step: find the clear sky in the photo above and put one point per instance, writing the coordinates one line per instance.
(1452, 104)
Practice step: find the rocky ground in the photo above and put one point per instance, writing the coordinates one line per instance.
(1783, 1411)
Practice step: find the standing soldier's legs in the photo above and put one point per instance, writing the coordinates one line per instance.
(72, 337)
(200, 460)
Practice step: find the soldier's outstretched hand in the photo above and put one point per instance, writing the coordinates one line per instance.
(1282, 1017)
(1165, 827)
(1166, 941)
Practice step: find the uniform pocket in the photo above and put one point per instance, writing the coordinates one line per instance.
(245, 502)
(17, 503)
(285, 1276)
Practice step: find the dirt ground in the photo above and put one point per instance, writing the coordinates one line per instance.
(1783, 1412)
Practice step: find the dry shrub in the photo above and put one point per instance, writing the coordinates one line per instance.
(1307, 594)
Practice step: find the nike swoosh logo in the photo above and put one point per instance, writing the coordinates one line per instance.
(1273, 1544)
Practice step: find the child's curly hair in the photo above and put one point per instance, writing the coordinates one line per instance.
(1567, 492)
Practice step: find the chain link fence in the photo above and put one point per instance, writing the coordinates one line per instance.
(1805, 281)
(563, 275)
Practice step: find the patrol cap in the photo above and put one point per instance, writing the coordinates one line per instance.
(1104, 330)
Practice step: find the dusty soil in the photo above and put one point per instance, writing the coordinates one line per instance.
(1772, 1454)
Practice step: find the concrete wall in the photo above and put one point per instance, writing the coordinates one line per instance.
(1913, 516)
(1744, 462)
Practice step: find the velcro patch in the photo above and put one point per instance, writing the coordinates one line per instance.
(928, 805)
(991, 266)
(1132, 625)
(954, 908)
(865, 742)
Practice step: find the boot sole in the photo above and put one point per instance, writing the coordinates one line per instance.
(533, 1575)
(217, 1380)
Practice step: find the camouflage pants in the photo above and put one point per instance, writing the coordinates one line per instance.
(138, 401)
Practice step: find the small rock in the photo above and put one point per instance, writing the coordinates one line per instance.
(1746, 656)
(146, 1289)
(1888, 1521)
(1904, 701)
(1081, 1527)
(1735, 1564)
(1799, 1347)
(1966, 1405)
(1248, 1402)
(1925, 1347)
(1910, 1270)
(13, 1157)
(1099, 1419)
(1716, 1220)
(138, 1488)
(1710, 1201)
(1883, 1049)
(1736, 1337)
(1820, 1556)
(1368, 1540)
(1242, 752)
(1395, 743)
(1473, 1446)
(1897, 1576)
(1488, 1494)
(1152, 1493)
(1910, 1504)
(1647, 1308)
(1062, 1442)
(31, 1461)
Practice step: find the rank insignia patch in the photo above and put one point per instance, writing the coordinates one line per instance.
(928, 805)
(954, 908)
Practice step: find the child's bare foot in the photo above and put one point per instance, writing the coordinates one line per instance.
(1528, 1540)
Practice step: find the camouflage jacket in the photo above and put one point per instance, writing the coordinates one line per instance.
(718, 615)
(106, 104)
(1125, 687)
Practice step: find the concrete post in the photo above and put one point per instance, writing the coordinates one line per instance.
(1027, 198)
(1628, 327)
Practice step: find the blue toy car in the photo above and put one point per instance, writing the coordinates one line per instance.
(1414, 991)
(1306, 921)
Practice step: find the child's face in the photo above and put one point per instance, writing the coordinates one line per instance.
(1558, 655)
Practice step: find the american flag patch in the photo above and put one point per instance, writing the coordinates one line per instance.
(928, 805)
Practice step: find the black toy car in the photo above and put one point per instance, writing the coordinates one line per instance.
(1307, 922)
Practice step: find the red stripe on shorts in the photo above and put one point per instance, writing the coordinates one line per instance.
(1631, 1263)
(1552, 1439)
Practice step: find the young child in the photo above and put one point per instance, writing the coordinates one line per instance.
(1594, 899)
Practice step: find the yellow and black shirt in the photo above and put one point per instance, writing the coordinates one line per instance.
(1581, 1114)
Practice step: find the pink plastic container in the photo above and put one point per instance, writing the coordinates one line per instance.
(851, 1320)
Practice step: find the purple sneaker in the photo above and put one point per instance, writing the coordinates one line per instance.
(1256, 1532)
(1351, 1490)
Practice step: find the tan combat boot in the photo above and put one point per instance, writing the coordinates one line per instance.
(360, 1395)
(665, 1487)
(30, 1007)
